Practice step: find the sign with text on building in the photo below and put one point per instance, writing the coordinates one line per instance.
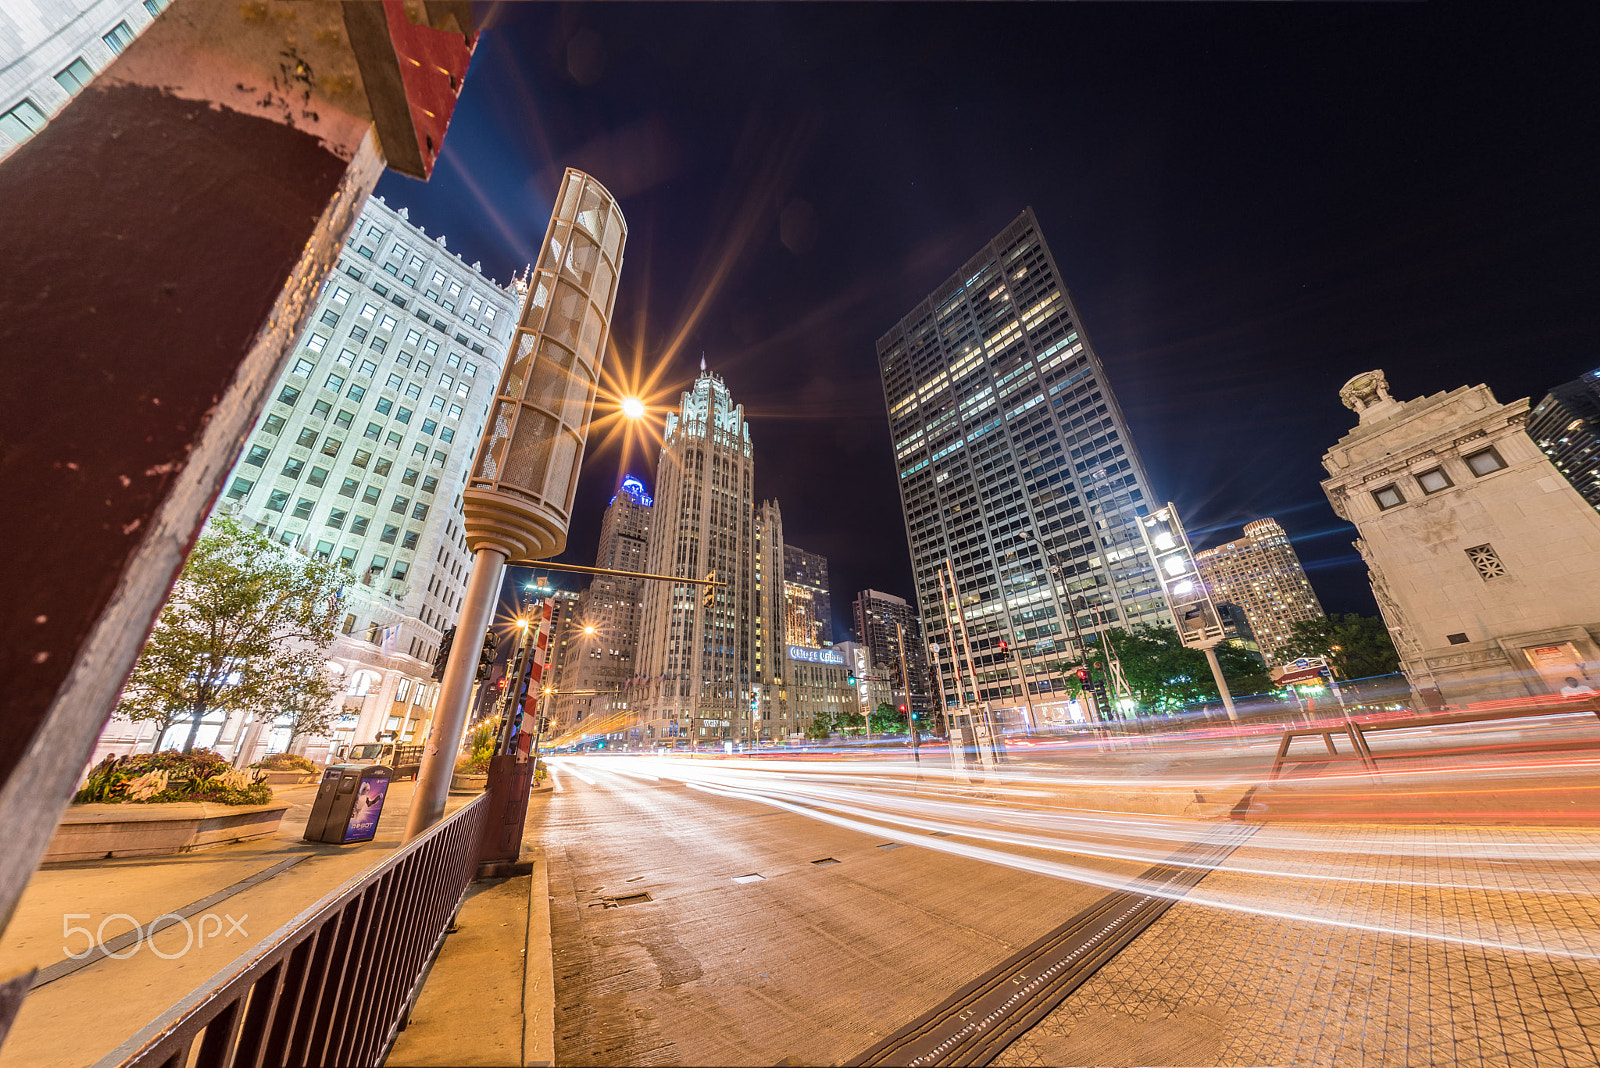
(816, 656)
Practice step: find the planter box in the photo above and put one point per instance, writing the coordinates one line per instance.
(291, 778)
(468, 783)
(97, 832)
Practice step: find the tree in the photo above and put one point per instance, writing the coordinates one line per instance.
(246, 629)
(1357, 646)
(1164, 674)
(886, 719)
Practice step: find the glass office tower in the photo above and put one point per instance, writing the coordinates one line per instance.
(1004, 425)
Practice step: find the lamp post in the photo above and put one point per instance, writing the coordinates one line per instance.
(518, 500)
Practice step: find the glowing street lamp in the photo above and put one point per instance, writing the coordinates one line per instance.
(633, 407)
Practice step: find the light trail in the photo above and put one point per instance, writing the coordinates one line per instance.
(1046, 810)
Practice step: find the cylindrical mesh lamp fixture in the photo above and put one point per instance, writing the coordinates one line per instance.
(519, 498)
(518, 501)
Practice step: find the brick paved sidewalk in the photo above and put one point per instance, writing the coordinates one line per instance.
(1359, 946)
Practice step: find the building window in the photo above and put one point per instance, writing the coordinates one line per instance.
(410, 540)
(403, 415)
(1388, 497)
(317, 477)
(454, 359)
(1487, 561)
(240, 489)
(273, 424)
(392, 440)
(362, 457)
(1485, 462)
(429, 426)
(384, 406)
(118, 38)
(277, 501)
(293, 468)
(316, 343)
(358, 525)
(438, 458)
(349, 488)
(447, 435)
(307, 438)
(347, 557)
(302, 508)
(399, 504)
(1456, 639)
(389, 534)
(420, 511)
(446, 381)
(302, 368)
(367, 368)
(414, 391)
(381, 468)
(257, 456)
(469, 369)
(349, 621)
(454, 412)
(346, 358)
(343, 419)
(371, 495)
(400, 569)
(410, 477)
(331, 447)
(75, 76)
(288, 396)
(324, 550)
(355, 393)
(430, 484)
(22, 121)
(336, 518)
(373, 431)
(321, 409)
(334, 383)
(1433, 481)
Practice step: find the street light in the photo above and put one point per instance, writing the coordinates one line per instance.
(633, 407)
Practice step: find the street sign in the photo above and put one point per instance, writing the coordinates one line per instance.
(1304, 669)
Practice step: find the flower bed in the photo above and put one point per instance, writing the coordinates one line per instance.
(170, 776)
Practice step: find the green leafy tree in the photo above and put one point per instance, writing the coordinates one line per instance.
(246, 629)
(1164, 674)
(886, 719)
(821, 725)
(1357, 646)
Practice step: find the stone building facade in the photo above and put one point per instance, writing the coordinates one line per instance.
(1484, 560)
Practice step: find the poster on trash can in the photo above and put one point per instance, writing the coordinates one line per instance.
(369, 806)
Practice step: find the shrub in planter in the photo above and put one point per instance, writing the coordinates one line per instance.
(167, 776)
(286, 762)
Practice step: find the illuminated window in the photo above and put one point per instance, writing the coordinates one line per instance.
(1485, 462)
(1388, 497)
(1434, 481)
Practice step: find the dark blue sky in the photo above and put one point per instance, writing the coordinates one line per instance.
(1250, 204)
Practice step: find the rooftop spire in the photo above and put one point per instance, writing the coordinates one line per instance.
(702, 361)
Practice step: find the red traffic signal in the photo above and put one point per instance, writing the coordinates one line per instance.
(1004, 645)
(1083, 675)
(902, 708)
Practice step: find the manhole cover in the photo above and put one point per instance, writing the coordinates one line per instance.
(825, 860)
(751, 878)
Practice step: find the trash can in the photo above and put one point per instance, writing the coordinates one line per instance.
(349, 802)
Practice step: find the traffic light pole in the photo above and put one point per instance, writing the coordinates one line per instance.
(905, 684)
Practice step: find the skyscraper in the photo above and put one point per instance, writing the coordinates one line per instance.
(1566, 427)
(1004, 424)
(877, 615)
(1261, 574)
(603, 636)
(697, 649)
(810, 609)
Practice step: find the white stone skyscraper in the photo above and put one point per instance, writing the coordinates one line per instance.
(1261, 573)
(697, 651)
(1004, 423)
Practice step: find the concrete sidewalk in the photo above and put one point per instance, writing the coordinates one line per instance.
(79, 1016)
(490, 997)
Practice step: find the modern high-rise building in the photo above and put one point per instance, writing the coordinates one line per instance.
(697, 650)
(810, 611)
(1005, 425)
(603, 635)
(361, 452)
(1566, 427)
(1261, 574)
(877, 615)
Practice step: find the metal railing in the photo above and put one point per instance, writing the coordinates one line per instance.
(333, 985)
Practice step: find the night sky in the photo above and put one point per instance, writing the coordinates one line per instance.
(1249, 203)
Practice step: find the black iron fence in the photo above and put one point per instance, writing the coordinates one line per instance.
(333, 985)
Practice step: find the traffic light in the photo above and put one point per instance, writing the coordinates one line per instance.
(850, 679)
(443, 655)
(902, 709)
(486, 655)
(1005, 646)
(1083, 678)
(710, 596)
